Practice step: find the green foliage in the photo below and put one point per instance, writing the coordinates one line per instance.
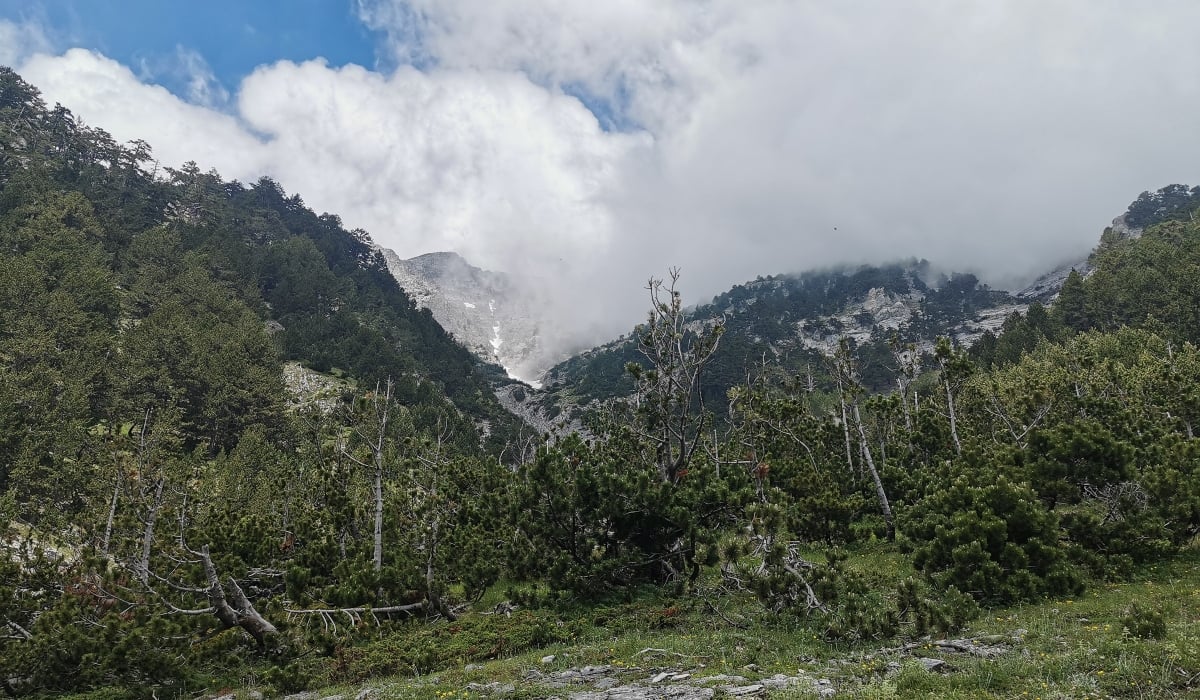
(931, 613)
(1066, 456)
(991, 538)
(592, 517)
(1143, 622)
(143, 421)
(1148, 282)
(423, 649)
(1172, 202)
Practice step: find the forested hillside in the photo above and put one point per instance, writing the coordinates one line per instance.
(144, 317)
(170, 527)
(786, 325)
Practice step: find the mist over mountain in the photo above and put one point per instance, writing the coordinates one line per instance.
(502, 318)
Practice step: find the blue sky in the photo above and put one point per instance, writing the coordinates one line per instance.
(232, 36)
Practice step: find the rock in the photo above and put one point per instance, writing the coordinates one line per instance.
(934, 665)
(309, 695)
(660, 677)
(778, 681)
(367, 694)
(739, 691)
(473, 667)
(254, 695)
(501, 318)
(636, 692)
(549, 659)
(721, 677)
(827, 692)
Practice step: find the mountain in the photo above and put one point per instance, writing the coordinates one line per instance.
(788, 324)
(194, 242)
(165, 501)
(492, 313)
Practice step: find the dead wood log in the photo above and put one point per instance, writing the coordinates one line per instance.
(241, 613)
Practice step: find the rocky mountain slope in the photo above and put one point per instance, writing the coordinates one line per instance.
(790, 323)
(492, 313)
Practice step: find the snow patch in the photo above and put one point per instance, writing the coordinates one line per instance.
(468, 304)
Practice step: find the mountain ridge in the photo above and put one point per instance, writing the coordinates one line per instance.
(491, 313)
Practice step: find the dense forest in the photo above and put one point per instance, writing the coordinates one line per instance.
(172, 525)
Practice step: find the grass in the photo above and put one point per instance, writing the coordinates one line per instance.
(1085, 647)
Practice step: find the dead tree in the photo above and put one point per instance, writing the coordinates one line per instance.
(845, 374)
(374, 434)
(238, 613)
(669, 400)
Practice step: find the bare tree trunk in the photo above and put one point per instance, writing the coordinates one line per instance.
(241, 613)
(378, 556)
(884, 505)
(846, 430)
(112, 512)
(148, 534)
(953, 416)
(376, 440)
(216, 595)
(248, 618)
(904, 404)
(435, 598)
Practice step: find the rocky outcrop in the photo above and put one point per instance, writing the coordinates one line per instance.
(660, 683)
(309, 389)
(1045, 288)
(495, 315)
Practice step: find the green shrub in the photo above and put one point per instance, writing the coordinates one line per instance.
(990, 538)
(424, 648)
(929, 612)
(1144, 623)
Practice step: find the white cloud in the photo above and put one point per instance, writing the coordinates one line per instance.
(510, 174)
(190, 69)
(999, 137)
(108, 95)
(19, 40)
(993, 136)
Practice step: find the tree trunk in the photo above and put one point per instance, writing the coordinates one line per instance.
(846, 430)
(953, 415)
(904, 404)
(378, 556)
(112, 512)
(435, 598)
(241, 613)
(884, 505)
(148, 534)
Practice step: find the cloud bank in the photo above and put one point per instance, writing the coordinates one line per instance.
(595, 144)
